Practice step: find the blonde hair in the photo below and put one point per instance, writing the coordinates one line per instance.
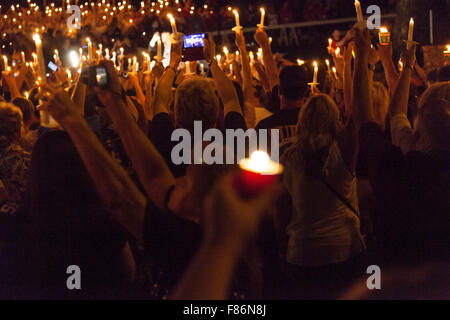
(317, 131)
(440, 90)
(380, 97)
(10, 124)
(196, 100)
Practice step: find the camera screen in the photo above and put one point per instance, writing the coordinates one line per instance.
(101, 75)
(52, 66)
(194, 41)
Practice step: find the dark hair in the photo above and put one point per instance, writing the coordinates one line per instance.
(27, 108)
(444, 74)
(293, 82)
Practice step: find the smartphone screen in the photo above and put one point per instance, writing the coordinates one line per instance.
(52, 66)
(101, 76)
(193, 47)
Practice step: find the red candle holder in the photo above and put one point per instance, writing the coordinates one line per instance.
(254, 179)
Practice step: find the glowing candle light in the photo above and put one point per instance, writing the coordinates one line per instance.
(359, 14)
(410, 34)
(90, 53)
(23, 56)
(226, 52)
(316, 71)
(300, 62)
(56, 55)
(69, 76)
(337, 51)
(335, 73)
(173, 24)
(236, 17)
(100, 48)
(74, 59)
(258, 173)
(188, 68)
(159, 51)
(447, 53)
(263, 14)
(327, 62)
(202, 69)
(40, 56)
(107, 54)
(5, 61)
(384, 36)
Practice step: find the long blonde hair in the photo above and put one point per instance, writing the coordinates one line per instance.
(317, 130)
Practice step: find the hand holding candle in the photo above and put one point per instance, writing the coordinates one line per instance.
(384, 36)
(410, 34)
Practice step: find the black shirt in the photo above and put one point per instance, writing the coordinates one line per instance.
(284, 120)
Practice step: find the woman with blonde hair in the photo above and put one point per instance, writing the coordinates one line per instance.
(323, 229)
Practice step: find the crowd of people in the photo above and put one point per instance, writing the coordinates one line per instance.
(87, 176)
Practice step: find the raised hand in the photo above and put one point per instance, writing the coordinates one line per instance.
(261, 37)
(57, 101)
(362, 43)
(209, 50)
(409, 56)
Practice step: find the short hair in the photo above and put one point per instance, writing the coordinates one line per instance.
(11, 123)
(196, 100)
(293, 82)
(435, 119)
(444, 74)
(439, 90)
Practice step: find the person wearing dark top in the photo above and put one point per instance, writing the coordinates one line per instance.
(292, 90)
(412, 192)
(67, 225)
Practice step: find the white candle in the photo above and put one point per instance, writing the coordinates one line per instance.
(129, 65)
(263, 14)
(327, 62)
(100, 48)
(316, 70)
(159, 51)
(202, 68)
(173, 24)
(410, 33)
(107, 53)
(359, 13)
(5, 60)
(188, 68)
(335, 73)
(134, 64)
(40, 57)
(90, 54)
(136, 67)
(225, 50)
(236, 16)
(23, 56)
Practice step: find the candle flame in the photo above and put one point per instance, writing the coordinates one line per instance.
(260, 162)
(37, 38)
(383, 30)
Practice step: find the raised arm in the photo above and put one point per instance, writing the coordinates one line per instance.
(163, 92)
(348, 81)
(151, 168)
(115, 187)
(392, 76)
(249, 89)
(270, 64)
(362, 97)
(224, 85)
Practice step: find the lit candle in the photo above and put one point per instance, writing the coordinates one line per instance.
(447, 53)
(359, 13)
(236, 16)
(69, 75)
(225, 50)
(335, 73)
(330, 42)
(327, 62)
(134, 63)
(384, 36)
(56, 55)
(300, 62)
(410, 33)
(258, 173)
(136, 67)
(40, 57)
(5, 61)
(129, 65)
(400, 65)
(202, 69)
(159, 51)
(107, 54)
(90, 54)
(100, 48)
(23, 56)
(337, 51)
(188, 67)
(316, 71)
(263, 14)
(173, 24)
